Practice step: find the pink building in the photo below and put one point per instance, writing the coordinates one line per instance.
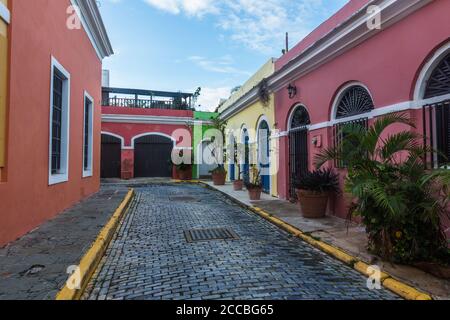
(53, 118)
(141, 129)
(345, 71)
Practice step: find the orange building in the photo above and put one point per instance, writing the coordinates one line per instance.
(51, 55)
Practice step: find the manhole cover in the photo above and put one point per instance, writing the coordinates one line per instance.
(210, 234)
(183, 199)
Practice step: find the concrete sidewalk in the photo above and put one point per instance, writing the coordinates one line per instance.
(348, 237)
(34, 267)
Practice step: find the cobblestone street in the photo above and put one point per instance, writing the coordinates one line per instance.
(150, 257)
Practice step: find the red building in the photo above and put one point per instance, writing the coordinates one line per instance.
(50, 145)
(346, 70)
(141, 129)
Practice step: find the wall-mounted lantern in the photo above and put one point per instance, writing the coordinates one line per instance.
(292, 90)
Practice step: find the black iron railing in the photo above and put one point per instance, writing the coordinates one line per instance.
(147, 99)
(436, 132)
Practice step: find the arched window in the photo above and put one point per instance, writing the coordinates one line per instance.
(300, 118)
(353, 101)
(438, 84)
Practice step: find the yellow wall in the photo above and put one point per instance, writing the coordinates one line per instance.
(266, 70)
(249, 117)
(3, 85)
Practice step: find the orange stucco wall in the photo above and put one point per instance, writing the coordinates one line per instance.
(37, 32)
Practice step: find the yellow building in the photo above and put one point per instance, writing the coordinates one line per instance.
(252, 122)
(4, 21)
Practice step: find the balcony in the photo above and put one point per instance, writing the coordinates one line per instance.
(147, 99)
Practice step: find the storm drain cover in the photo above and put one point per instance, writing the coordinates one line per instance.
(210, 234)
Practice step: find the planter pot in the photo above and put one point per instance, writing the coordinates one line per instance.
(312, 204)
(255, 194)
(184, 174)
(238, 185)
(219, 178)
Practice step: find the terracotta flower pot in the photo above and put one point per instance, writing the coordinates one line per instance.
(184, 174)
(238, 185)
(219, 178)
(312, 204)
(255, 194)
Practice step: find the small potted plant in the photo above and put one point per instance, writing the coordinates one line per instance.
(219, 175)
(184, 170)
(313, 191)
(254, 184)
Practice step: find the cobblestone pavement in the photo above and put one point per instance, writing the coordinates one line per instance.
(35, 266)
(151, 259)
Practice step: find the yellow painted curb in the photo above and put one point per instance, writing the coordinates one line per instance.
(405, 290)
(92, 258)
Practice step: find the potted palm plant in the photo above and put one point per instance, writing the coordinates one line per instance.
(313, 191)
(400, 203)
(184, 169)
(254, 184)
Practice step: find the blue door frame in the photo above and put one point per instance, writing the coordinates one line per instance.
(264, 167)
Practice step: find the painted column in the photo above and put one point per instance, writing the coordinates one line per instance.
(127, 171)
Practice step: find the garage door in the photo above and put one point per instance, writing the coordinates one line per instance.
(110, 158)
(152, 157)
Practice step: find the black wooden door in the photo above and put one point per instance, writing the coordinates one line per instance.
(298, 156)
(152, 157)
(111, 157)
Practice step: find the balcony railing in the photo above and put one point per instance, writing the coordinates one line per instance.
(147, 99)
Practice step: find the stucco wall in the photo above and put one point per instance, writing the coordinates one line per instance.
(38, 31)
(387, 64)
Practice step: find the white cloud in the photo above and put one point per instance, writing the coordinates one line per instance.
(259, 25)
(210, 97)
(196, 8)
(220, 65)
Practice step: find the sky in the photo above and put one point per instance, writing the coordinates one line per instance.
(179, 45)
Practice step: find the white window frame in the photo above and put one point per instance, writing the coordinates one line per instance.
(63, 175)
(88, 172)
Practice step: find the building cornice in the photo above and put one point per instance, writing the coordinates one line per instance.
(343, 38)
(120, 118)
(93, 25)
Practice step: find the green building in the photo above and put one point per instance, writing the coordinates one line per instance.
(202, 123)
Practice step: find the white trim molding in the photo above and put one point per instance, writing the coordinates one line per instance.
(120, 118)
(88, 102)
(427, 70)
(122, 140)
(93, 25)
(341, 39)
(5, 14)
(63, 174)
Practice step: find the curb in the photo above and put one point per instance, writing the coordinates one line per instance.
(398, 287)
(92, 258)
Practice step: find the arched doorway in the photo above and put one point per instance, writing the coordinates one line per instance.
(111, 152)
(206, 159)
(246, 159)
(152, 156)
(233, 149)
(434, 86)
(264, 154)
(298, 146)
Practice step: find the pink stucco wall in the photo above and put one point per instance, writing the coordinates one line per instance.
(38, 32)
(388, 64)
